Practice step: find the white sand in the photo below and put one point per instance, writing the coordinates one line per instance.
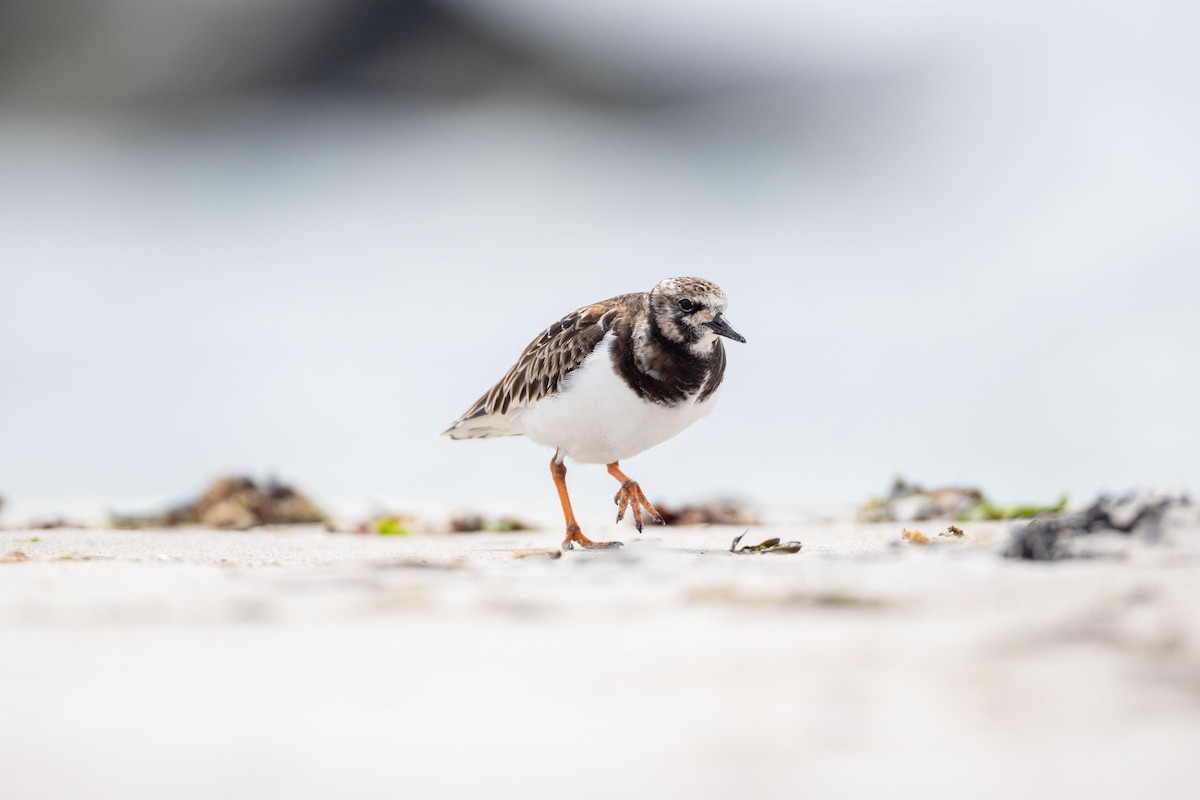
(299, 664)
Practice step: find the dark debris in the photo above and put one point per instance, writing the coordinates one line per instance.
(1137, 514)
(478, 523)
(717, 512)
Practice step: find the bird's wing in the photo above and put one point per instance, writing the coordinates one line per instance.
(548, 359)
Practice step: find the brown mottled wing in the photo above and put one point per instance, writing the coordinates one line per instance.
(549, 359)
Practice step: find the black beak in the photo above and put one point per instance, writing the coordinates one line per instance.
(722, 328)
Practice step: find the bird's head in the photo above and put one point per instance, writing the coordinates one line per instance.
(691, 311)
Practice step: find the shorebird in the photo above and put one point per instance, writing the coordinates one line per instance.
(608, 381)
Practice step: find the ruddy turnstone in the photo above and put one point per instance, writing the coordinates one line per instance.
(610, 380)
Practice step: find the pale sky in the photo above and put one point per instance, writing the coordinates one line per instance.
(983, 273)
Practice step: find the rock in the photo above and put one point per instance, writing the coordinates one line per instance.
(290, 509)
(908, 502)
(229, 513)
(238, 503)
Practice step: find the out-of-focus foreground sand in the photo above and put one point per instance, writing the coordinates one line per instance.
(297, 664)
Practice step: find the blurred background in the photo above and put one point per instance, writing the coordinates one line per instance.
(300, 237)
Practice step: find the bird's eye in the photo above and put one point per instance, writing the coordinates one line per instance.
(687, 305)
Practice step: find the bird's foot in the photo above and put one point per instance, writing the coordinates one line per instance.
(576, 537)
(630, 495)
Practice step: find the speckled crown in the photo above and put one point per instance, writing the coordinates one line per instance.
(690, 287)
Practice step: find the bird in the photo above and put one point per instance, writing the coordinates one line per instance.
(611, 380)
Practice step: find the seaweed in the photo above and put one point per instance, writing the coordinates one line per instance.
(772, 545)
(390, 526)
(987, 510)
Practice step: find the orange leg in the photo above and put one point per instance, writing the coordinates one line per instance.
(631, 495)
(559, 471)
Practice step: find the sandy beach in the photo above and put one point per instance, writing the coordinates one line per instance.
(257, 255)
(299, 663)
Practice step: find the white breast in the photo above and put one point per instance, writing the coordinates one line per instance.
(596, 418)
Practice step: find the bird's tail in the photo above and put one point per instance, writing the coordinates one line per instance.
(481, 427)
